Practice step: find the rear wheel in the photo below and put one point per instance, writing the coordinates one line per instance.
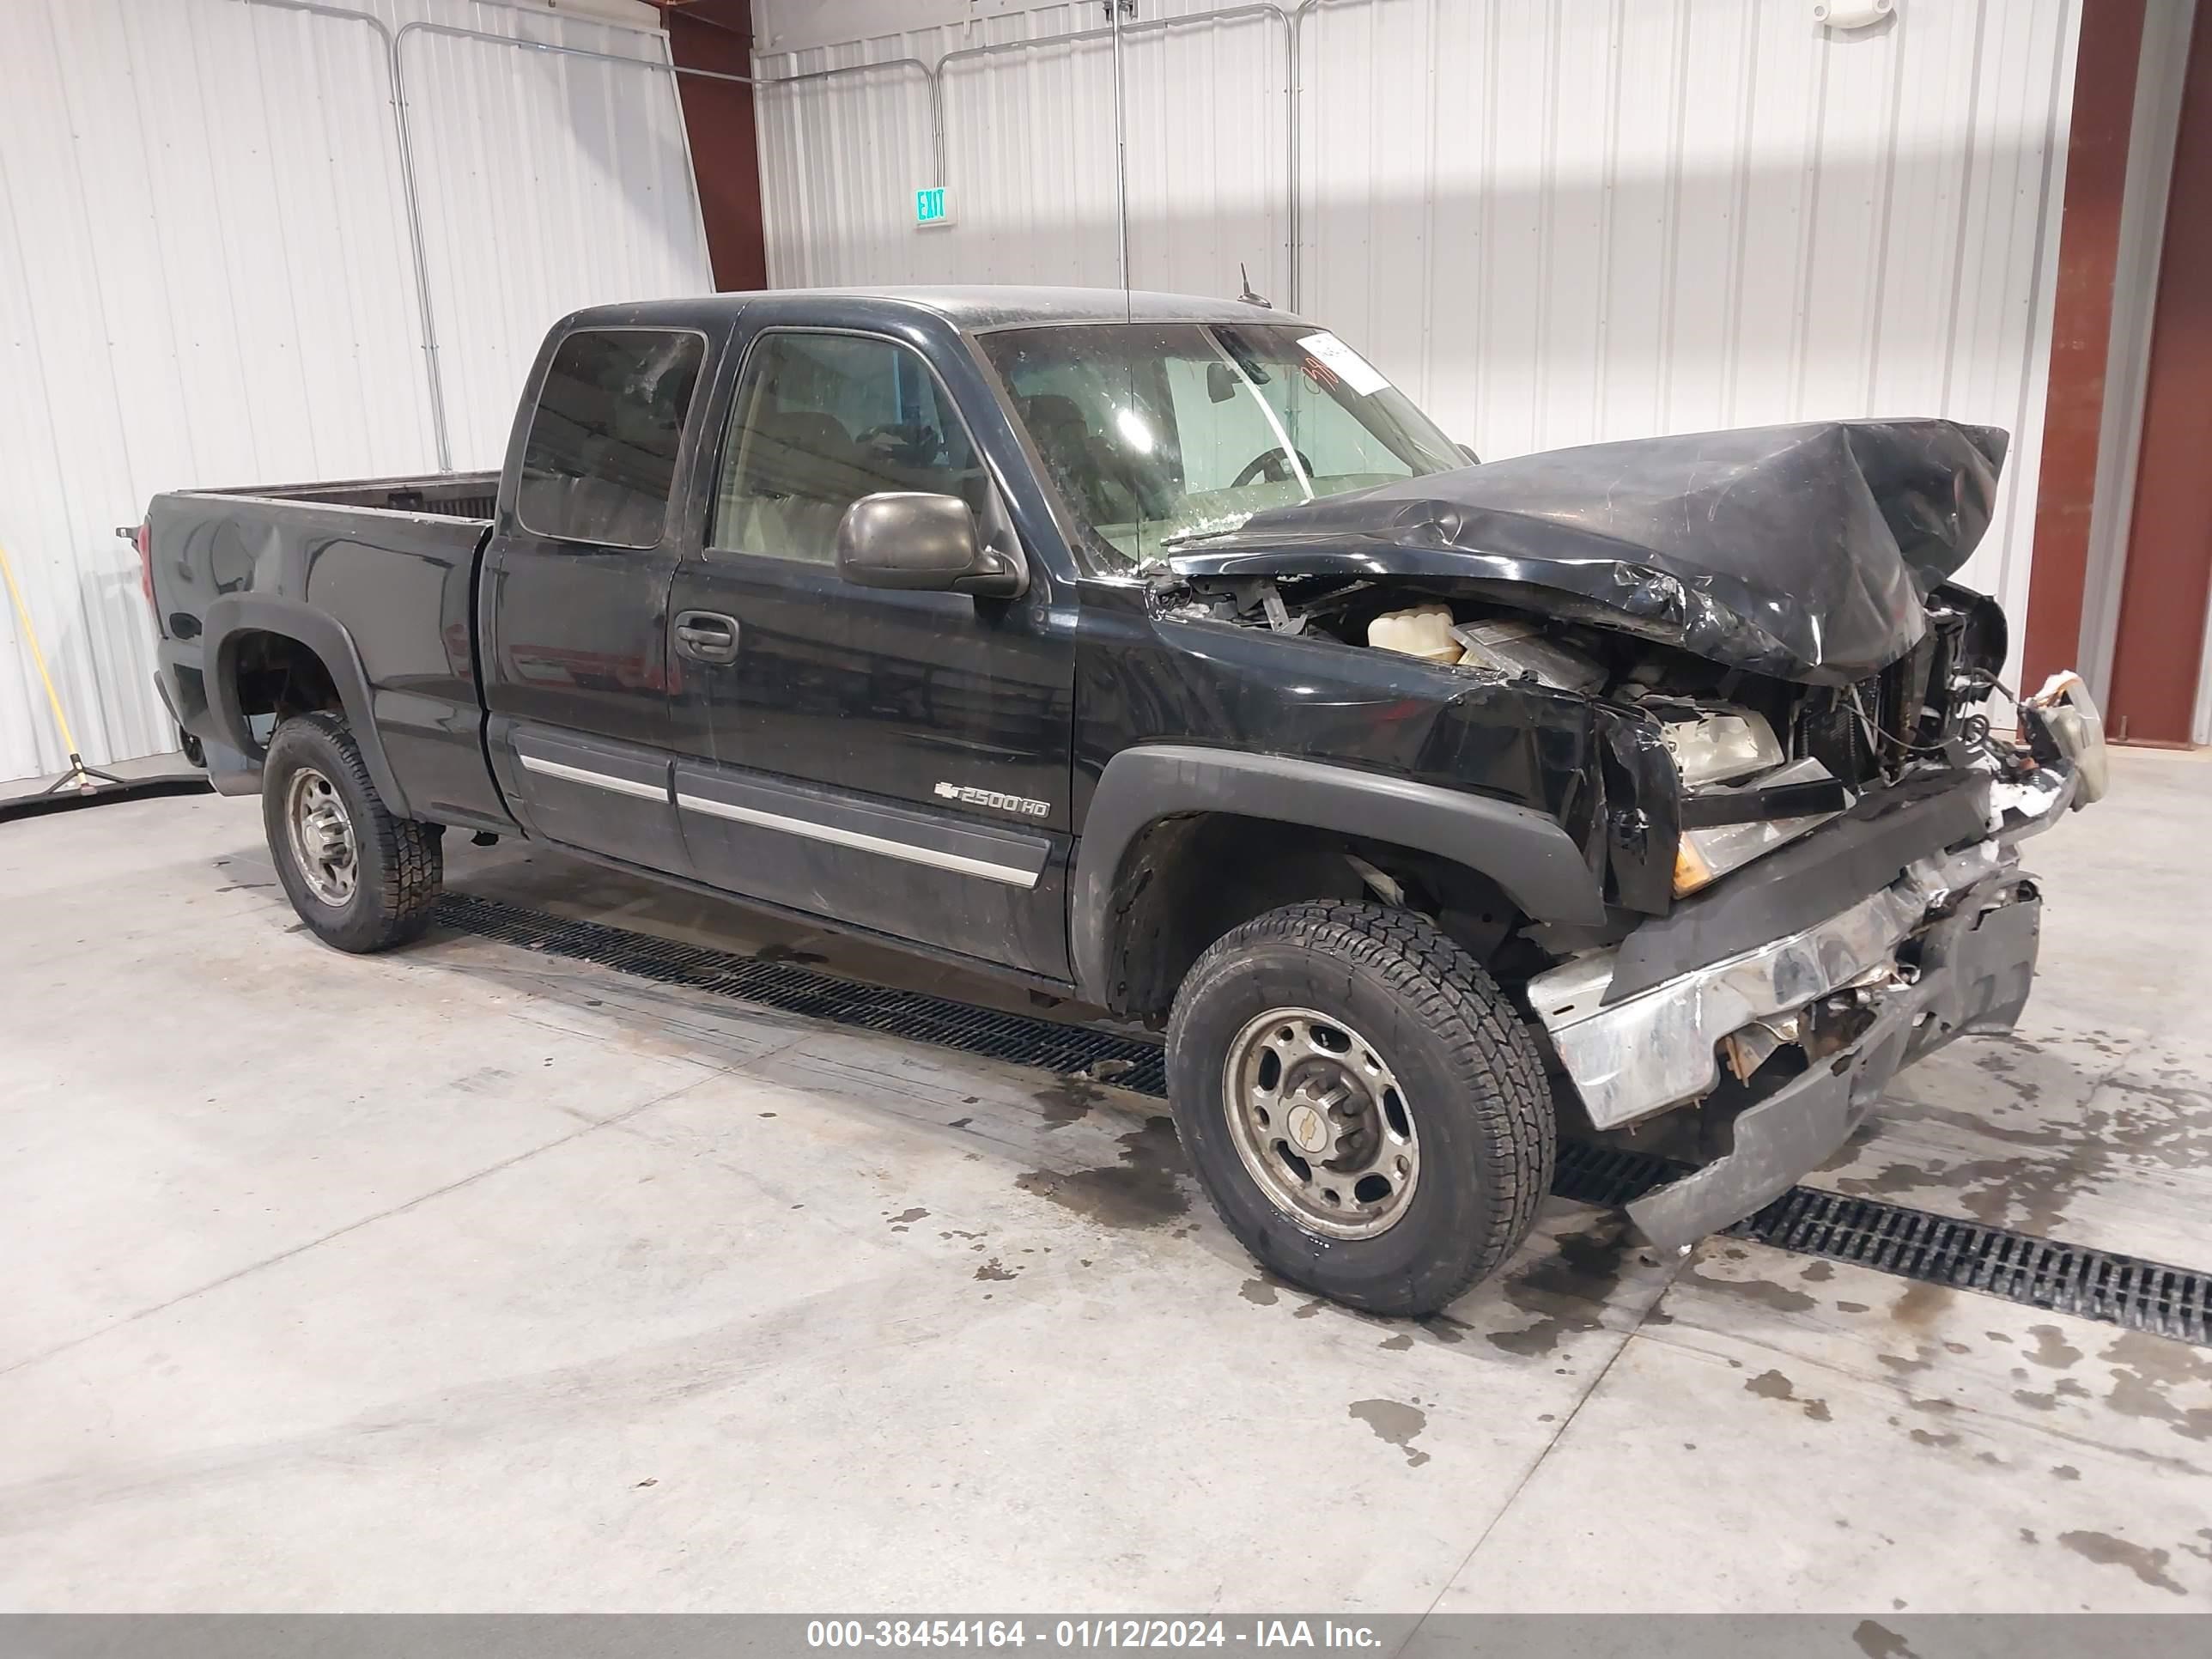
(1362, 1105)
(360, 878)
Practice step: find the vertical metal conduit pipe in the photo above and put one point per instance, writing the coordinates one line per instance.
(1117, 31)
(410, 200)
(409, 181)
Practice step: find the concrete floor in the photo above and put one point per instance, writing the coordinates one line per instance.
(464, 1279)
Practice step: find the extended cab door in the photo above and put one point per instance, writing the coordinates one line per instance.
(899, 761)
(574, 596)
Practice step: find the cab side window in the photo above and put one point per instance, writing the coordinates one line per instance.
(821, 420)
(600, 459)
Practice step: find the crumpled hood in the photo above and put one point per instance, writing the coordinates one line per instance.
(1802, 551)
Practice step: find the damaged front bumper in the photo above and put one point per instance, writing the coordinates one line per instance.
(1947, 948)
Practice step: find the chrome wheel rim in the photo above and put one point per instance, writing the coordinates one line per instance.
(1321, 1123)
(323, 846)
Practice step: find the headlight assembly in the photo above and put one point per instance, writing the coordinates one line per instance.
(1720, 746)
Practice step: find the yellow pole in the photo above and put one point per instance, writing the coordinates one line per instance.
(31, 634)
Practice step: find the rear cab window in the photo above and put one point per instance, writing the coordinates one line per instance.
(599, 462)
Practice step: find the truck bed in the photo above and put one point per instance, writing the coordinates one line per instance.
(442, 495)
(239, 574)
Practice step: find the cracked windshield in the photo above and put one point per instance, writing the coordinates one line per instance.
(1160, 434)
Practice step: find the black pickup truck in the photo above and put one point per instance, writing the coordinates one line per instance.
(1158, 651)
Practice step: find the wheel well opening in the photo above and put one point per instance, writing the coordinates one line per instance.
(275, 674)
(1185, 881)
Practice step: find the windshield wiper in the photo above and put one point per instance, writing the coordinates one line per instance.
(1190, 535)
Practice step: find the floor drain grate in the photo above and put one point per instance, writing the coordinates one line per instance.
(1069, 1051)
(1933, 1249)
(1969, 1256)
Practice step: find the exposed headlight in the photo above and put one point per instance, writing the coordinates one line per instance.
(1720, 746)
(1703, 856)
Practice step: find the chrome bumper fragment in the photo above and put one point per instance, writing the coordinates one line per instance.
(1975, 967)
(1660, 1049)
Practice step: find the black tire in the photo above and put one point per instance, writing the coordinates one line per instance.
(1469, 1075)
(398, 863)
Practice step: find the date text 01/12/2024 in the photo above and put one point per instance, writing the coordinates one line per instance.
(1090, 1634)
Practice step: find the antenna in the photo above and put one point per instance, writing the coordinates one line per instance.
(1247, 297)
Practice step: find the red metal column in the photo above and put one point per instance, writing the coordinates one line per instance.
(717, 35)
(2168, 584)
(2081, 330)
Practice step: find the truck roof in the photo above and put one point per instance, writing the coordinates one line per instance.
(977, 306)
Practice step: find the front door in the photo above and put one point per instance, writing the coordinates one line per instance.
(576, 583)
(895, 761)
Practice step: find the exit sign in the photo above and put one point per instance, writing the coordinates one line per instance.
(932, 207)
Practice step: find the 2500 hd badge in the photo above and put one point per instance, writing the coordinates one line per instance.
(991, 797)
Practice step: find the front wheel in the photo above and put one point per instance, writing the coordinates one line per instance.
(360, 878)
(1362, 1105)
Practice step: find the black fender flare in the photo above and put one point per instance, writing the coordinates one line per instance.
(237, 614)
(1531, 857)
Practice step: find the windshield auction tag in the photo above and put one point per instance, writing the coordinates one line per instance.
(1354, 370)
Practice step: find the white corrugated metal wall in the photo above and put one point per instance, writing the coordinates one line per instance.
(1553, 222)
(206, 276)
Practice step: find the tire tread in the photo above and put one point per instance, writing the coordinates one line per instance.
(1444, 987)
(409, 852)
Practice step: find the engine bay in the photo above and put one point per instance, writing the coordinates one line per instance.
(1759, 761)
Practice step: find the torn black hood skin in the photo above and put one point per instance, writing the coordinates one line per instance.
(1802, 552)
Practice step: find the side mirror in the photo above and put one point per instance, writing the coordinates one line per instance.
(907, 539)
(1473, 459)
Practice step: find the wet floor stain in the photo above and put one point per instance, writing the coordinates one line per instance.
(906, 1218)
(2107, 1551)
(1919, 1304)
(2051, 1347)
(2065, 1389)
(2146, 1371)
(1781, 1298)
(1397, 1422)
(2121, 1125)
(2065, 1472)
(993, 1270)
(1260, 1292)
(1879, 1641)
(1399, 1343)
(1143, 1190)
(1067, 1100)
(1773, 1385)
(1818, 1272)
(1567, 1290)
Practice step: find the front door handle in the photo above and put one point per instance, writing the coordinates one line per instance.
(707, 635)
